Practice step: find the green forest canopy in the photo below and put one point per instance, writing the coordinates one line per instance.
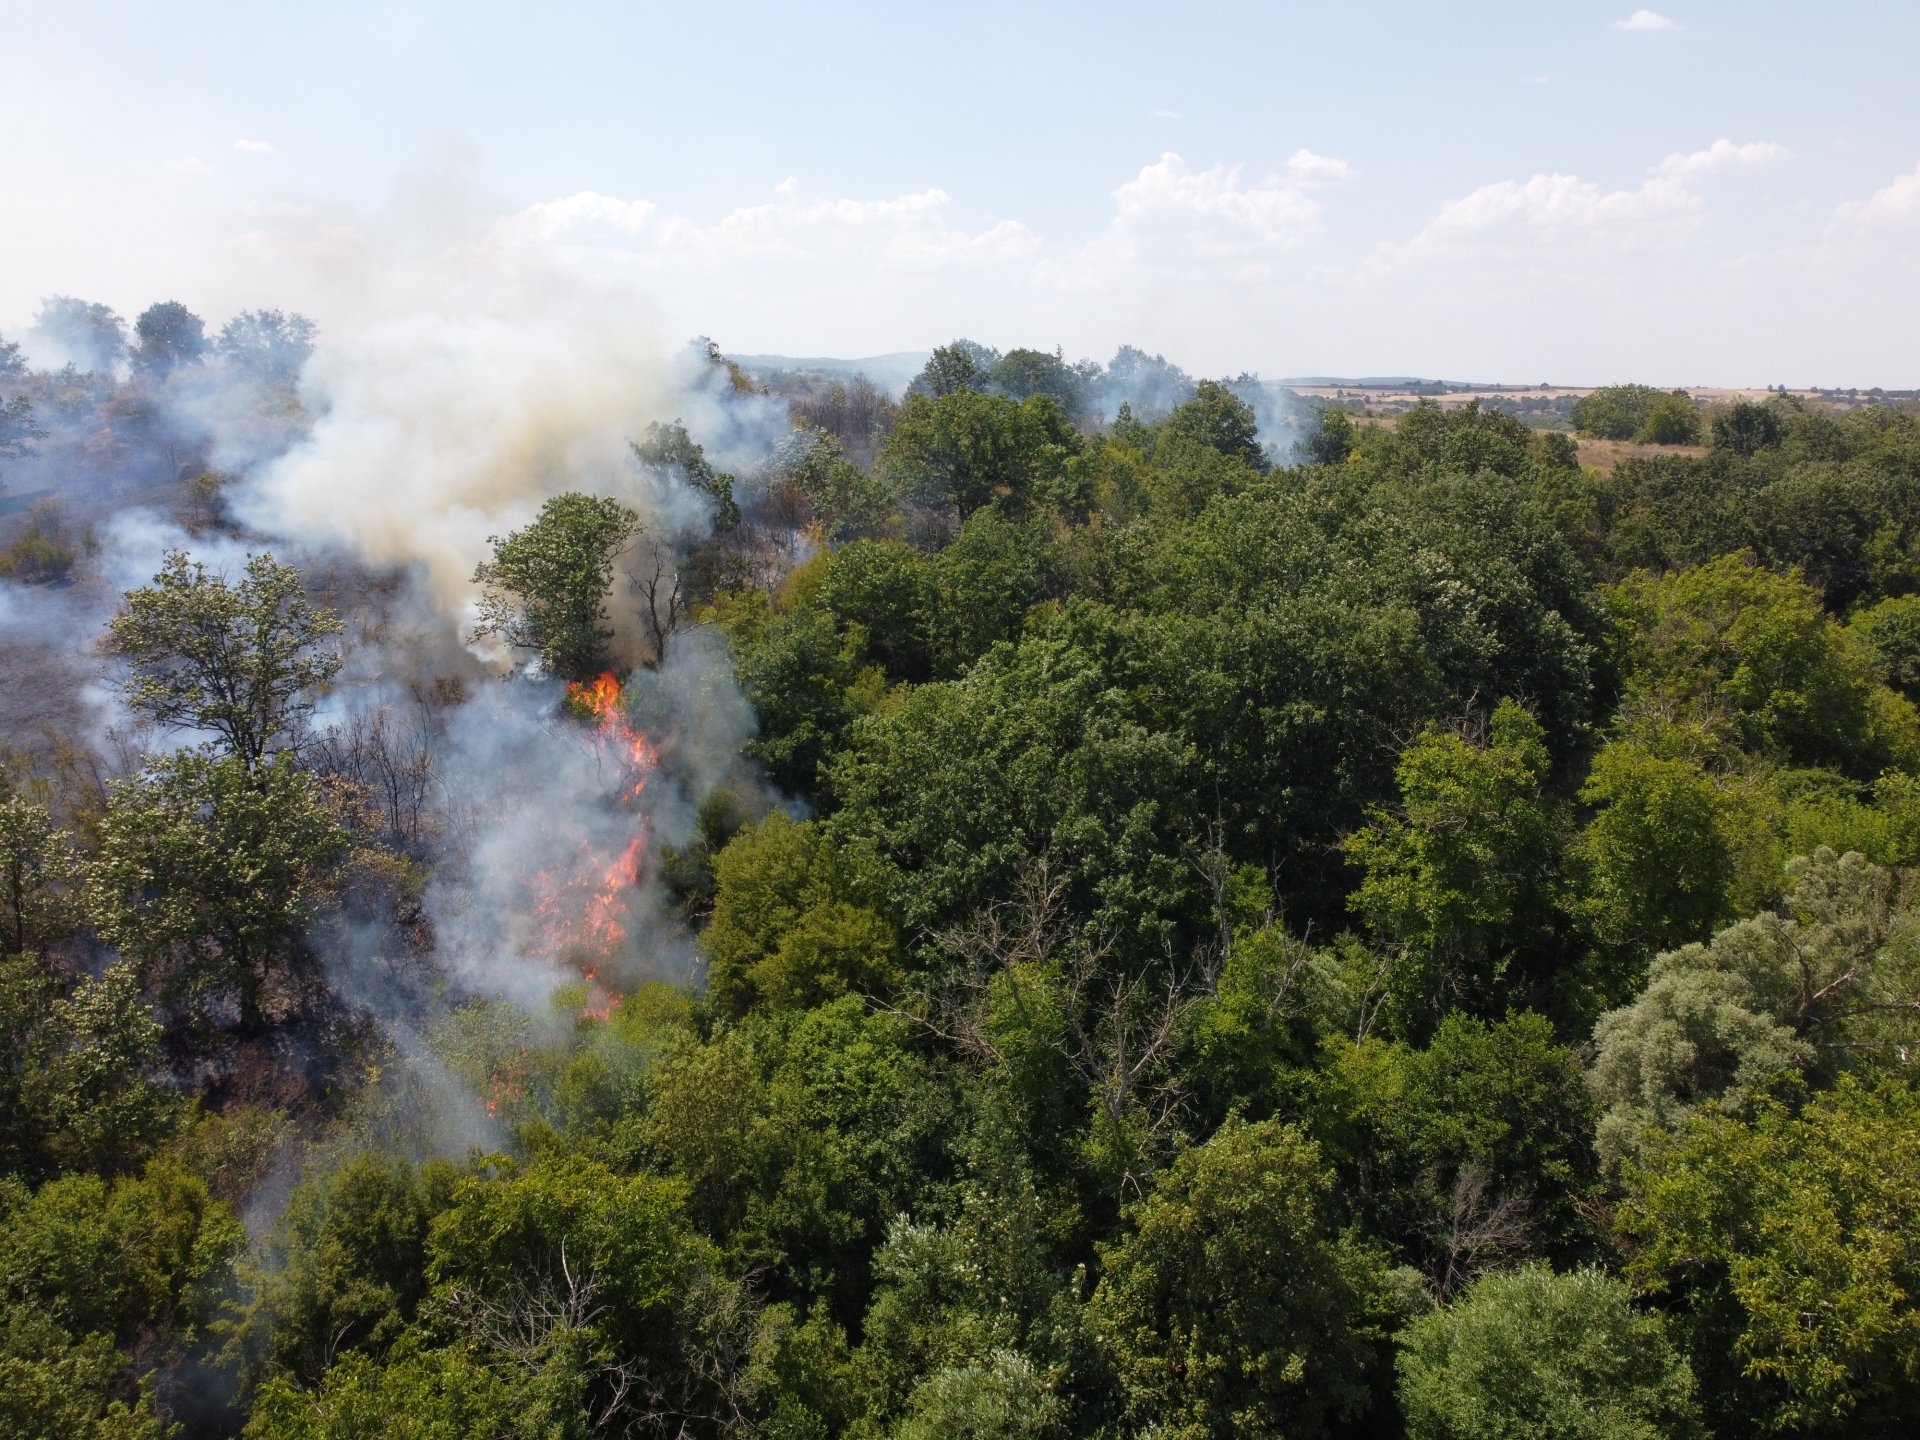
(1400, 936)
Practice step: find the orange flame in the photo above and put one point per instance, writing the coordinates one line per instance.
(586, 913)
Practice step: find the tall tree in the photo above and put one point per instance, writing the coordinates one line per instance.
(1230, 1307)
(85, 335)
(241, 660)
(207, 873)
(546, 587)
(168, 335)
(272, 346)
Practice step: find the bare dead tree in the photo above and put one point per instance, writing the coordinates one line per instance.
(529, 1321)
(711, 1392)
(386, 755)
(1119, 1027)
(657, 581)
(1480, 1228)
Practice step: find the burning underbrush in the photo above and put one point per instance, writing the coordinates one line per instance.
(548, 828)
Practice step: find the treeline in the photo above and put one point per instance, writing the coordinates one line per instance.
(101, 418)
(1405, 937)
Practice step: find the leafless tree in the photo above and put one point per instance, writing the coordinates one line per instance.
(1117, 1028)
(385, 753)
(1481, 1227)
(657, 581)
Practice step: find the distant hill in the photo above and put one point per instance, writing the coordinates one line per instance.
(890, 372)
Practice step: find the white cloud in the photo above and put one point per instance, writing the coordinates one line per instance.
(188, 165)
(1166, 114)
(1645, 20)
(253, 147)
(1174, 226)
(909, 232)
(1897, 203)
(1722, 155)
(1308, 168)
(1553, 212)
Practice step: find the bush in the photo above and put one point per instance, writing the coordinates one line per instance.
(1672, 421)
(1535, 1353)
(41, 552)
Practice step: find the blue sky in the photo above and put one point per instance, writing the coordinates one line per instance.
(1709, 193)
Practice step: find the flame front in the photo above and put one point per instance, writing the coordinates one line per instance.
(585, 910)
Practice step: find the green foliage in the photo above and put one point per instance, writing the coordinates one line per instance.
(1832, 984)
(40, 553)
(965, 784)
(1430, 441)
(1330, 440)
(961, 365)
(670, 450)
(1627, 412)
(1215, 419)
(76, 1083)
(1891, 631)
(799, 1137)
(270, 346)
(1743, 657)
(1465, 1154)
(545, 589)
(344, 1270)
(1745, 428)
(965, 450)
(207, 873)
(1229, 1307)
(131, 1259)
(1671, 421)
(1000, 1398)
(1023, 373)
(52, 1384)
(1660, 851)
(1461, 876)
(783, 933)
(808, 679)
(421, 1394)
(37, 865)
(167, 336)
(239, 660)
(1805, 1225)
(1533, 1353)
(975, 1311)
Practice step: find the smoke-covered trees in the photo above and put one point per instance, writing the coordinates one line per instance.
(167, 336)
(87, 336)
(270, 346)
(961, 365)
(1179, 998)
(36, 867)
(545, 589)
(241, 660)
(18, 429)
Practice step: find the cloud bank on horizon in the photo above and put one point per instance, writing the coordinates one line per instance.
(1673, 233)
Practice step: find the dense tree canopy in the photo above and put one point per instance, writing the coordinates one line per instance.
(1132, 906)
